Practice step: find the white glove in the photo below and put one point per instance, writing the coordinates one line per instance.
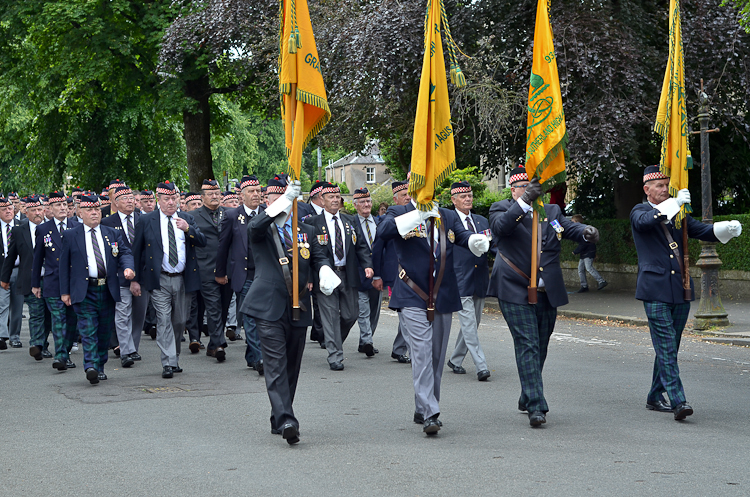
(669, 207)
(434, 212)
(407, 222)
(683, 197)
(726, 230)
(279, 209)
(293, 190)
(479, 244)
(327, 280)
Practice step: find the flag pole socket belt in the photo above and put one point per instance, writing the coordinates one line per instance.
(339, 268)
(97, 281)
(172, 275)
(283, 261)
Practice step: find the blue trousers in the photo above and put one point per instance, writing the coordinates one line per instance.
(666, 322)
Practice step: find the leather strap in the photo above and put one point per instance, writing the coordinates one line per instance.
(514, 267)
(673, 245)
(405, 278)
(283, 261)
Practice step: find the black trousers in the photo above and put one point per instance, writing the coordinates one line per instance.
(282, 344)
(216, 299)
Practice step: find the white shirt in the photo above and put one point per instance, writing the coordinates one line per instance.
(91, 260)
(4, 227)
(124, 222)
(32, 229)
(248, 210)
(179, 236)
(332, 236)
(318, 209)
(464, 217)
(57, 224)
(373, 228)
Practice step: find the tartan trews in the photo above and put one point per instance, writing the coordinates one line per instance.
(63, 327)
(531, 327)
(666, 322)
(96, 323)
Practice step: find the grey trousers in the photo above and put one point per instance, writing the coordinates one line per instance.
(428, 342)
(11, 310)
(467, 339)
(369, 314)
(400, 345)
(130, 313)
(170, 306)
(587, 264)
(338, 312)
(232, 313)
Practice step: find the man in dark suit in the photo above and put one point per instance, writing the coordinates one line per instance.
(216, 297)
(426, 328)
(370, 291)
(22, 248)
(660, 284)
(130, 312)
(45, 280)
(269, 299)
(472, 273)
(166, 266)
(531, 325)
(235, 265)
(91, 257)
(11, 298)
(347, 251)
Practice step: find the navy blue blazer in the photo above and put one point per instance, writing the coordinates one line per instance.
(659, 277)
(235, 257)
(20, 246)
(47, 254)
(472, 272)
(414, 256)
(355, 247)
(74, 271)
(376, 254)
(114, 221)
(511, 232)
(268, 297)
(148, 252)
(304, 210)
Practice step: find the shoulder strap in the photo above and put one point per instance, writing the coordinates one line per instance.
(513, 266)
(673, 245)
(283, 259)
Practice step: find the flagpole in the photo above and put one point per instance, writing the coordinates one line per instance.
(534, 255)
(295, 258)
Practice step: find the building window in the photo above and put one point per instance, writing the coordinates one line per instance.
(370, 171)
(343, 175)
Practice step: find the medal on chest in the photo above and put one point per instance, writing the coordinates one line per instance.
(115, 249)
(451, 236)
(557, 227)
(487, 233)
(323, 239)
(241, 218)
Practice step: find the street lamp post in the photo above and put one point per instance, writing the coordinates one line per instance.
(710, 311)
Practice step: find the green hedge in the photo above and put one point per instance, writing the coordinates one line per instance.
(616, 244)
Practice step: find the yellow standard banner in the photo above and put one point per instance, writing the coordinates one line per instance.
(671, 118)
(299, 67)
(546, 137)
(433, 155)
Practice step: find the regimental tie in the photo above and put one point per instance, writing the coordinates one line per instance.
(60, 227)
(173, 260)
(8, 234)
(470, 224)
(339, 240)
(131, 228)
(101, 271)
(367, 229)
(287, 240)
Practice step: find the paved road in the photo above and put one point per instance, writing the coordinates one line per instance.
(206, 432)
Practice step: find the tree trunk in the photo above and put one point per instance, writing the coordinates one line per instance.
(198, 134)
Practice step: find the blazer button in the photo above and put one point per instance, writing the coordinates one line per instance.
(245, 258)
(671, 256)
(541, 269)
(655, 216)
(673, 271)
(149, 244)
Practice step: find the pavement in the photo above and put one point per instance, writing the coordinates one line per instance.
(611, 305)
(206, 431)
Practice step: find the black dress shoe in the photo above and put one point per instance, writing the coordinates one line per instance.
(152, 332)
(92, 375)
(602, 285)
(259, 368)
(322, 345)
(290, 433)
(418, 418)
(135, 356)
(402, 358)
(102, 376)
(70, 364)
(456, 369)
(16, 344)
(176, 369)
(59, 365)
(483, 375)
(47, 354)
(658, 405)
(368, 349)
(522, 407)
(682, 411)
(167, 373)
(537, 418)
(36, 352)
(3, 345)
(126, 361)
(431, 425)
(275, 431)
(218, 353)
(336, 366)
(116, 350)
(583, 289)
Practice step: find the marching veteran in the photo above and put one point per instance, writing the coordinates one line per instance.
(269, 299)
(91, 256)
(426, 328)
(660, 287)
(531, 325)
